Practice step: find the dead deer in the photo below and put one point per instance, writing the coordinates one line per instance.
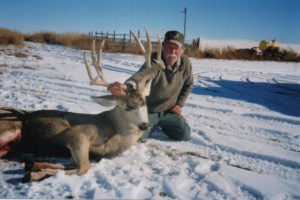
(105, 135)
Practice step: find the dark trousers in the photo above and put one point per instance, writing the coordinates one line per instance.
(173, 125)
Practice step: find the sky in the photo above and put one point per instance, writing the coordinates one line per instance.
(252, 20)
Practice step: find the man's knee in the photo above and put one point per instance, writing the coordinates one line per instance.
(176, 127)
(180, 135)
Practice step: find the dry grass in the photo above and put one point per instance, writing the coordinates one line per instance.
(117, 47)
(228, 53)
(28, 67)
(8, 37)
(38, 57)
(74, 40)
(20, 55)
(289, 55)
(41, 37)
(83, 41)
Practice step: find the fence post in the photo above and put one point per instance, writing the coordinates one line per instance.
(124, 42)
(129, 37)
(114, 37)
(198, 43)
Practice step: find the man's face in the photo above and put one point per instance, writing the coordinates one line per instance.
(172, 52)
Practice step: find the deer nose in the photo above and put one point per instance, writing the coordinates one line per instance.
(144, 126)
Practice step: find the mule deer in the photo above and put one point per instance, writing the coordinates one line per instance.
(105, 135)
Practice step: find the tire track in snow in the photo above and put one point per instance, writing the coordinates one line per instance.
(256, 162)
(233, 125)
(199, 171)
(245, 79)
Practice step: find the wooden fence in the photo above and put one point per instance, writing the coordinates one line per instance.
(122, 40)
(125, 40)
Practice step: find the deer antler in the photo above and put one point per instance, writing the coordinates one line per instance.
(148, 50)
(147, 53)
(97, 65)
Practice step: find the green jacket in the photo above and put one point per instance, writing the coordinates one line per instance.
(168, 87)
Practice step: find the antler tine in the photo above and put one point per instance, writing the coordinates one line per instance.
(93, 52)
(139, 42)
(100, 53)
(97, 65)
(87, 65)
(148, 50)
(147, 53)
(159, 63)
(158, 60)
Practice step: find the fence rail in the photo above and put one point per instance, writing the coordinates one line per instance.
(119, 37)
(126, 39)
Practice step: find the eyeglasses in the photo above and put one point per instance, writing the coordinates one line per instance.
(171, 48)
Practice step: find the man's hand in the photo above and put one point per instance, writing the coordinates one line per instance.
(176, 109)
(117, 89)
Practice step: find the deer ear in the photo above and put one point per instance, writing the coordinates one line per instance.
(147, 88)
(106, 101)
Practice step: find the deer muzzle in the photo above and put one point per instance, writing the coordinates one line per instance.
(144, 126)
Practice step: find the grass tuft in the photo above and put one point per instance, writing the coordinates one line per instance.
(38, 57)
(8, 37)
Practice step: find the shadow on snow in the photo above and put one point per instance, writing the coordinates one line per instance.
(280, 97)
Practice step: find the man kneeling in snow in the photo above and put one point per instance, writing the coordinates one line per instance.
(169, 89)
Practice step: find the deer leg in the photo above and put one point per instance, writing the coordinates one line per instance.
(43, 174)
(35, 166)
(41, 170)
(80, 153)
(38, 171)
(38, 176)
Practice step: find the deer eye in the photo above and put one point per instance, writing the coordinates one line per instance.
(130, 108)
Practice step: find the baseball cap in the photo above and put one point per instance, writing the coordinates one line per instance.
(175, 37)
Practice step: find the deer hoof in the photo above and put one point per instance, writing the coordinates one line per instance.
(34, 176)
(27, 178)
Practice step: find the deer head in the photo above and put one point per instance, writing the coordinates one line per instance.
(132, 103)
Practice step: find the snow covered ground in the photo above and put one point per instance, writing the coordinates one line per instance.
(244, 116)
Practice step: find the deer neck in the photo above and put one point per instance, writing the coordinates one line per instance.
(123, 123)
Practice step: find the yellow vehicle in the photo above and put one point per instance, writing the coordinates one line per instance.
(268, 45)
(269, 49)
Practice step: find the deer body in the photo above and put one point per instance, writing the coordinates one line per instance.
(45, 127)
(47, 130)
